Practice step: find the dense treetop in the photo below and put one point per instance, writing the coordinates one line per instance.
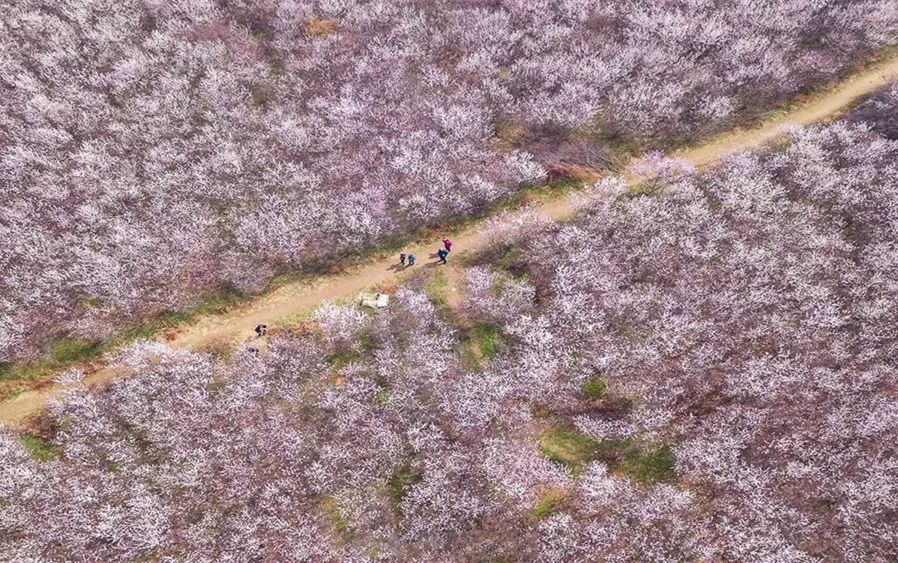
(700, 369)
(151, 151)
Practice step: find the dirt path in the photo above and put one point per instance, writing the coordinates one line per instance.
(823, 107)
(455, 280)
(293, 300)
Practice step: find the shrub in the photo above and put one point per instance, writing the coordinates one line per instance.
(547, 503)
(488, 339)
(594, 389)
(39, 448)
(568, 446)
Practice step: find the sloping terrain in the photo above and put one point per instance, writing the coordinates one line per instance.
(153, 152)
(297, 298)
(699, 367)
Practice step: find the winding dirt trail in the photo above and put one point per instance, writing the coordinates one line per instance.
(825, 106)
(293, 300)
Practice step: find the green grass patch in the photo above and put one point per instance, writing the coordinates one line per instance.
(93, 303)
(218, 384)
(215, 303)
(61, 354)
(641, 462)
(74, 350)
(547, 503)
(382, 396)
(66, 422)
(40, 449)
(399, 484)
(509, 257)
(488, 339)
(219, 351)
(436, 288)
(563, 185)
(649, 464)
(509, 261)
(619, 145)
(506, 279)
(339, 360)
(366, 340)
(69, 351)
(594, 389)
(469, 355)
(568, 447)
(331, 508)
(645, 188)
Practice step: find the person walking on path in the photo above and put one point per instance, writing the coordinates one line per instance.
(447, 244)
(402, 259)
(261, 330)
(442, 253)
(411, 259)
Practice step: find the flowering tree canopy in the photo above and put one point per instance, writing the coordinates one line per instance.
(703, 372)
(153, 150)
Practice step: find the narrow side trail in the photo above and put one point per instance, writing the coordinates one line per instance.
(293, 300)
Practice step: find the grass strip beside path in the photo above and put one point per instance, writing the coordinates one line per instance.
(291, 296)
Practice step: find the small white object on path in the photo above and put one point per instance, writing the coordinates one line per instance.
(374, 300)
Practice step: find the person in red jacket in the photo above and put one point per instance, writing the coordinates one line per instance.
(447, 244)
